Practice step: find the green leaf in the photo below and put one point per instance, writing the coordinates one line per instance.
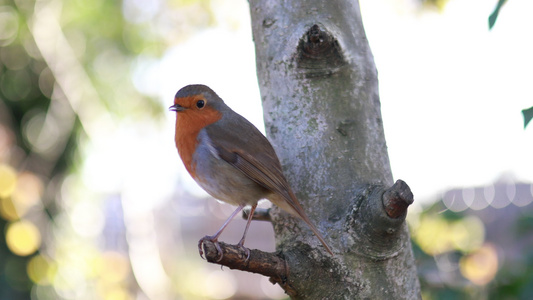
(528, 115)
(494, 15)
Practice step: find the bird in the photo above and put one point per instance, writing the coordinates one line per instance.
(230, 159)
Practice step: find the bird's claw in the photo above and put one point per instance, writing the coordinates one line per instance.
(246, 251)
(215, 242)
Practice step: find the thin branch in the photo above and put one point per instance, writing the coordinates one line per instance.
(234, 257)
(268, 264)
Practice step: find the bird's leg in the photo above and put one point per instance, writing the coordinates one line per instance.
(241, 242)
(214, 238)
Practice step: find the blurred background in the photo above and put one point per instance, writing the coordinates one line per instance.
(96, 204)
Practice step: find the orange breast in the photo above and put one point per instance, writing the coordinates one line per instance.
(188, 124)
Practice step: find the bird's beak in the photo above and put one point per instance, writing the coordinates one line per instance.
(177, 108)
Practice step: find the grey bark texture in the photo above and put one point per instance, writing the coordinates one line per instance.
(319, 89)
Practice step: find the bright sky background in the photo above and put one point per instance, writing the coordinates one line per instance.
(451, 90)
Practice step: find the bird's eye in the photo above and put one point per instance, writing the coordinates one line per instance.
(200, 104)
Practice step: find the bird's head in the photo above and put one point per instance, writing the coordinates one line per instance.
(195, 97)
(197, 106)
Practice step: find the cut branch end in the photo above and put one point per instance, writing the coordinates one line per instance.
(397, 199)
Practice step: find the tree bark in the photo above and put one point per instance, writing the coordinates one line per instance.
(319, 89)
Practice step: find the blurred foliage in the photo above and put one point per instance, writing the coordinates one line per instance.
(66, 69)
(528, 115)
(528, 112)
(456, 260)
(440, 4)
(494, 15)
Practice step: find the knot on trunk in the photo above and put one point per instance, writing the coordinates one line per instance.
(319, 53)
(377, 221)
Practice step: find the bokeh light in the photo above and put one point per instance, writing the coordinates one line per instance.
(87, 219)
(25, 193)
(219, 285)
(113, 270)
(436, 235)
(41, 269)
(8, 180)
(117, 293)
(271, 290)
(467, 234)
(23, 238)
(115, 267)
(70, 282)
(8, 24)
(481, 265)
(498, 195)
(7, 209)
(14, 57)
(209, 284)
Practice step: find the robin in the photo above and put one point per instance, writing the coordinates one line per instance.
(230, 159)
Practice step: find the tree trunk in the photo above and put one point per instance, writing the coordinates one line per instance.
(319, 88)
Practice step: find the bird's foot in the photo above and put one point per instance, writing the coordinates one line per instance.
(246, 250)
(214, 240)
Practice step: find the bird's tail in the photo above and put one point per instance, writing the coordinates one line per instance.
(292, 205)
